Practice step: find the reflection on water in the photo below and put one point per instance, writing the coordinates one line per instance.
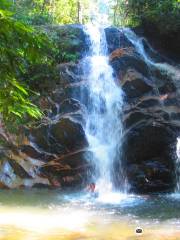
(42, 214)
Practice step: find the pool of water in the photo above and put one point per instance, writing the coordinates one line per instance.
(48, 214)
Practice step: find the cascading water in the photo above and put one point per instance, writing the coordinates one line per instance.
(165, 68)
(178, 166)
(103, 127)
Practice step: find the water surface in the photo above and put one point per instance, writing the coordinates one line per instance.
(45, 214)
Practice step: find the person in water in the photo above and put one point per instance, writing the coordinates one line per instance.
(91, 187)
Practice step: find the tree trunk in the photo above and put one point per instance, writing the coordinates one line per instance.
(79, 8)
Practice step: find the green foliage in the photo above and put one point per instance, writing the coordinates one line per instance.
(32, 12)
(67, 42)
(118, 14)
(42, 78)
(68, 46)
(65, 12)
(40, 12)
(20, 46)
(68, 57)
(5, 4)
(164, 14)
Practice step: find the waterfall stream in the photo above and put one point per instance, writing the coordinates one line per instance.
(103, 127)
(178, 166)
(164, 67)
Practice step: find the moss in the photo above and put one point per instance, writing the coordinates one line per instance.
(69, 42)
(42, 77)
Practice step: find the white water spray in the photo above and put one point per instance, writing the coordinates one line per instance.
(104, 127)
(165, 68)
(178, 165)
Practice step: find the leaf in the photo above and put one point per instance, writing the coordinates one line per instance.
(21, 88)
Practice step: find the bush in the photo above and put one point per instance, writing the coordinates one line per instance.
(164, 14)
(20, 47)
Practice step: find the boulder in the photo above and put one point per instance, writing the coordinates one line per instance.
(152, 176)
(116, 39)
(148, 157)
(134, 84)
(39, 136)
(70, 40)
(33, 153)
(68, 134)
(70, 73)
(70, 170)
(59, 137)
(134, 118)
(70, 105)
(122, 64)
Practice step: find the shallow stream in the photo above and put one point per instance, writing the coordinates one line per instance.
(47, 214)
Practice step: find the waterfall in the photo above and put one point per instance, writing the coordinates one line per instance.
(103, 121)
(178, 166)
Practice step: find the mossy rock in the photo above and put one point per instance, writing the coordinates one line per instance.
(42, 77)
(70, 41)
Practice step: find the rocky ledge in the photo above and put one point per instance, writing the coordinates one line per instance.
(150, 117)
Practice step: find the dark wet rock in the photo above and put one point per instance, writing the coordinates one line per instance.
(18, 170)
(70, 105)
(59, 137)
(70, 39)
(61, 131)
(33, 153)
(122, 64)
(149, 141)
(165, 42)
(139, 230)
(116, 39)
(76, 159)
(70, 73)
(42, 78)
(3, 185)
(151, 176)
(68, 134)
(134, 118)
(134, 84)
(41, 186)
(175, 116)
(39, 136)
(148, 157)
(173, 101)
(149, 103)
(70, 170)
(77, 91)
(151, 123)
(163, 82)
(169, 87)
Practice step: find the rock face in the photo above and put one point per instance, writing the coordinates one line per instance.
(150, 126)
(71, 41)
(55, 152)
(166, 42)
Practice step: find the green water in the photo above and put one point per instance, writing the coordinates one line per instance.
(45, 214)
